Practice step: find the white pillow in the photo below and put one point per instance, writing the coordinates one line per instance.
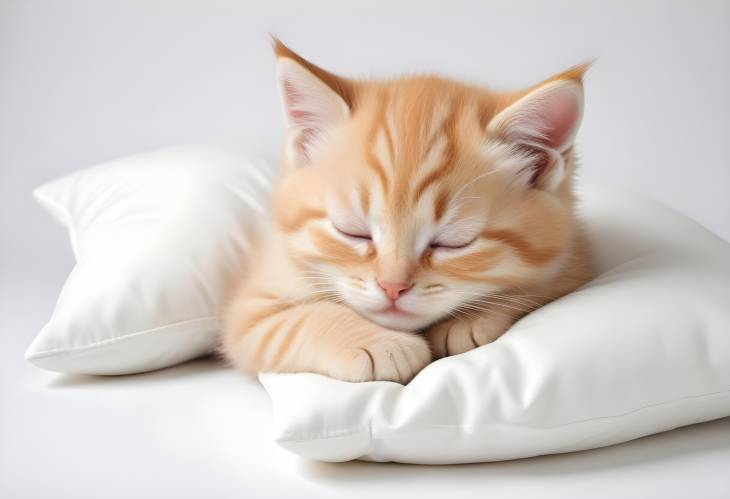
(642, 349)
(157, 238)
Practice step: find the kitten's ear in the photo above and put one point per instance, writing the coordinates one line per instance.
(541, 125)
(314, 100)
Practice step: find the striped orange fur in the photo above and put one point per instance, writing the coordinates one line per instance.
(414, 218)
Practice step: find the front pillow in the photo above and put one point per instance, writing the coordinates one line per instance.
(158, 238)
(643, 348)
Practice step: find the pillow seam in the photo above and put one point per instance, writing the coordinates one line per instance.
(116, 339)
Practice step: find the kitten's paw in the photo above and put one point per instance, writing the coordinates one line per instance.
(455, 336)
(391, 356)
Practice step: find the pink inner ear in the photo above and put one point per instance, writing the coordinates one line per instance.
(291, 99)
(290, 94)
(559, 113)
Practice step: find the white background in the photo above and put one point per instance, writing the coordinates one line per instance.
(86, 81)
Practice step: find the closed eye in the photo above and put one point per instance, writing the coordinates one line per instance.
(450, 245)
(353, 235)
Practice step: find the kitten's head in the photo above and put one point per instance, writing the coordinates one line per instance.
(415, 198)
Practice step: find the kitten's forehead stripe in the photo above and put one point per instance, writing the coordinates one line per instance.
(448, 159)
(377, 167)
(371, 157)
(438, 118)
(439, 206)
(408, 131)
(389, 138)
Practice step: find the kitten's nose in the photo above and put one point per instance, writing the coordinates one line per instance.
(394, 289)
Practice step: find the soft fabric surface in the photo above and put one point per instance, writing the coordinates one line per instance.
(157, 238)
(642, 349)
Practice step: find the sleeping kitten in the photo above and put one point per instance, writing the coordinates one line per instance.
(414, 217)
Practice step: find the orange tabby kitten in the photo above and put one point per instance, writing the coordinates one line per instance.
(414, 217)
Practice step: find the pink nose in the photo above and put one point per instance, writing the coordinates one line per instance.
(394, 289)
